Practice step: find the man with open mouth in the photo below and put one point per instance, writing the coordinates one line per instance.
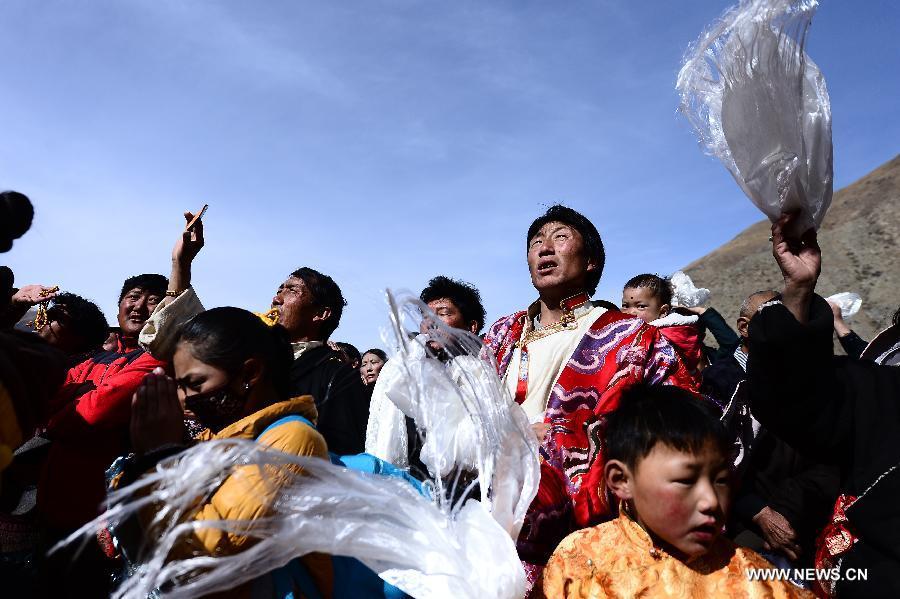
(308, 305)
(566, 360)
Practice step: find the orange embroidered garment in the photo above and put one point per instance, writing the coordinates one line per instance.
(618, 559)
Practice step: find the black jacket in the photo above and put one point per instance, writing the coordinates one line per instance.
(840, 410)
(340, 397)
(796, 486)
(853, 344)
(721, 378)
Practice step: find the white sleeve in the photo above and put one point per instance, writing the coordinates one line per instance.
(158, 334)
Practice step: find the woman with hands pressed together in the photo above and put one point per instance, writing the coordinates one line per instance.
(231, 377)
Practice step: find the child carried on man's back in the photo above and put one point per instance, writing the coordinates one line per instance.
(649, 297)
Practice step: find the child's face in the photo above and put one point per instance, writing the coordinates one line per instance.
(682, 498)
(640, 302)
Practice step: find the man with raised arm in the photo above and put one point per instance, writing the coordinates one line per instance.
(308, 304)
(838, 409)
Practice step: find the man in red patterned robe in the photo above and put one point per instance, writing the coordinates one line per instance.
(566, 360)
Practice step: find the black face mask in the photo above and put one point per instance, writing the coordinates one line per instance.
(216, 409)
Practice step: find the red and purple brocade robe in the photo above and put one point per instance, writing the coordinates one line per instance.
(617, 351)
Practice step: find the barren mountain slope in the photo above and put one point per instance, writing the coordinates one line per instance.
(860, 241)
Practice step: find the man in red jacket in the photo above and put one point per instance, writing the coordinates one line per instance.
(89, 417)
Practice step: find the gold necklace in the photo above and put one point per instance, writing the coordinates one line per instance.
(567, 321)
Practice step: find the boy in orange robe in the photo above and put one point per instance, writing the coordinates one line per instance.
(668, 463)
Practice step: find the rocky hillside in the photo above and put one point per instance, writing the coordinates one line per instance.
(860, 241)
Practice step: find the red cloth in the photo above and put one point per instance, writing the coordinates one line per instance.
(89, 429)
(836, 539)
(686, 339)
(617, 352)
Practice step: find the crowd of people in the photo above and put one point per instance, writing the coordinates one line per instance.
(677, 455)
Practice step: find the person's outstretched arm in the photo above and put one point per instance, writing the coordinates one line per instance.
(158, 334)
(795, 389)
(724, 335)
(22, 300)
(852, 343)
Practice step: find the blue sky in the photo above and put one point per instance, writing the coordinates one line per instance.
(383, 142)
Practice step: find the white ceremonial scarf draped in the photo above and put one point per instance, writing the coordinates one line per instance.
(393, 399)
(450, 434)
(547, 357)
(386, 430)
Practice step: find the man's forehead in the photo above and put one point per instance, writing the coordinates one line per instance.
(293, 281)
(552, 226)
(441, 302)
(141, 291)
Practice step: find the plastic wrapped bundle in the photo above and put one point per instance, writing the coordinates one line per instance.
(445, 383)
(428, 545)
(685, 294)
(760, 105)
(848, 302)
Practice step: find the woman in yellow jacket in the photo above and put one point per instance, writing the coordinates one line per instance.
(230, 377)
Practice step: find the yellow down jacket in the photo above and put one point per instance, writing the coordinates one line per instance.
(245, 495)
